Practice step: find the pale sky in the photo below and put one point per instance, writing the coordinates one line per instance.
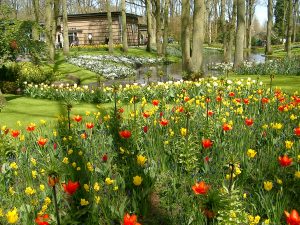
(261, 13)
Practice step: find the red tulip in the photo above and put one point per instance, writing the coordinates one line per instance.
(210, 112)
(30, 127)
(77, 118)
(292, 218)
(246, 101)
(164, 122)
(155, 102)
(42, 141)
(89, 125)
(238, 100)
(207, 143)
(145, 129)
(186, 98)
(146, 114)
(264, 100)
(121, 110)
(42, 220)
(15, 133)
(71, 187)
(130, 220)
(218, 98)
(125, 134)
(200, 188)
(297, 131)
(104, 158)
(285, 161)
(227, 127)
(249, 122)
(179, 109)
(231, 94)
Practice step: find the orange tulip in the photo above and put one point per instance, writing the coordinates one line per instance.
(200, 188)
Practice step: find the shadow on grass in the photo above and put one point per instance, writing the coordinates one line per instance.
(12, 97)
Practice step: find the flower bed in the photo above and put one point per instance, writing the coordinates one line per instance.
(223, 152)
(112, 67)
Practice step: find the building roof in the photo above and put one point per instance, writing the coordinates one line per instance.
(99, 14)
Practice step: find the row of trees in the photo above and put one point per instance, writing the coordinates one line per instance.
(227, 21)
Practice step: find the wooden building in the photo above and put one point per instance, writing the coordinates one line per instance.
(92, 28)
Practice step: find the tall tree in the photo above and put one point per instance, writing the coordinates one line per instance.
(224, 30)
(269, 28)
(124, 27)
(198, 36)
(185, 35)
(158, 27)
(66, 43)
(295, 19)
(36, 9)
(289, 28)
(110, 31)
(48, 29)
(149, 25)
(166, 27)
(240, 31)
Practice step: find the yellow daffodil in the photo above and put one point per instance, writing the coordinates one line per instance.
(251, 153)
(97, 199)
(141, 160)
(137, 180)
(30, 191)
(86, 187)
(96, 186)
(297, 174)
(34, 174)
(183, 131)
(289, 144)
(65, 160)
(89, 166)
(13, 165)
(268, 185)
(109, 181)
(83, 202)
(12, 216)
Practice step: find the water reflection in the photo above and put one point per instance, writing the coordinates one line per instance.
(155, 73)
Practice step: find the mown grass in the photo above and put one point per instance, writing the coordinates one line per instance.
(27, 110)
(289, 84)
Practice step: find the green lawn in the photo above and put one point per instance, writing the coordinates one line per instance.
(289, 84)
(26, 110)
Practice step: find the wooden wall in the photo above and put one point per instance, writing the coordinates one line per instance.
(98, 26)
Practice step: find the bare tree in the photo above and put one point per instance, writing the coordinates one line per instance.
(269, 28)
(49, 28)
(149, 25)
(166, 26)
(124, 27)
(66, 43)
(185, 35)
(289, 28)
(198, 36)
(110, 31)
(239, 41)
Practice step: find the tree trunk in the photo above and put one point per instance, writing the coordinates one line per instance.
(124, 27)
(149, 25)
(66, 43)
(198, 37)
(110, 32)
(166, 26)
(240, 31)
(48, 29)
(224, 30)
(232, 30)
(249, 24)
(158, 27)
(269, 28)
(36, 9)
(295, 16)
(289, 28)
(185, 36)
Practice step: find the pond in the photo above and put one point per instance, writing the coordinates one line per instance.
(173, 71)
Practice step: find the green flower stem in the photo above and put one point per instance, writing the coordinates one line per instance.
(56, 206)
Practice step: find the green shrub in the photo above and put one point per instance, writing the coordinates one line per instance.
(8, 87)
